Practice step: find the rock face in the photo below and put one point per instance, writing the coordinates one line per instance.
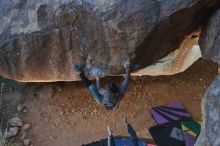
(177, 61)
(212, 115)
(210, 48)
(210, 39)
(40, 39)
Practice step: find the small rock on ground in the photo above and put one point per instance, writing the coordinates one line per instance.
(20, 108)
(23, 136)
(26, 126)
(16, 122)
(26, 142)
(12, 132)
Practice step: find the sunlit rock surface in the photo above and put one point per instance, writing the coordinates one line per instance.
(177, 61)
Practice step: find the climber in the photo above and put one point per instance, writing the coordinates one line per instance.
(108, 97)
(131, 131)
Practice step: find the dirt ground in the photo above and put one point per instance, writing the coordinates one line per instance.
(64, 114)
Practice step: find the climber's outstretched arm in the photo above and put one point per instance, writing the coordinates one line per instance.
(124, 84)
(85, 80)
(97, 96)
(98, 84)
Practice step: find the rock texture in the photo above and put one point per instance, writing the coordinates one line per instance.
(210, 39)
(177, 61)
(212, 114)
(202, 139)
(210, 48)
(40, 39)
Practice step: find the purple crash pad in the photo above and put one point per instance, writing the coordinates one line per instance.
(170, 112)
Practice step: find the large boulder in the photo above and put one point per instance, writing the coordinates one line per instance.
(40, 39)
(211, 113)
(210, 48)
(210, 39)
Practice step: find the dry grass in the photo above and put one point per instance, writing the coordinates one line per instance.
(3, 132)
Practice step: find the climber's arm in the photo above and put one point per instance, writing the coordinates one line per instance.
(97, 96)
(98, 84)
(94, 91)
(124, 84)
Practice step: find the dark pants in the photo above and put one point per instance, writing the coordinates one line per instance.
(85, 80)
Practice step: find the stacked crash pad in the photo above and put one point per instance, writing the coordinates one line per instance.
(175, 126)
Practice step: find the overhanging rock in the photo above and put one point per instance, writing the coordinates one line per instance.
(40, 39)
(178, 61)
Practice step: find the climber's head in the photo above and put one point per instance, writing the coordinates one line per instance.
(110, 99)
(112, 87)
(112, 107)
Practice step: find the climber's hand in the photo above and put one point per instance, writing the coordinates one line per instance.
(97, 77)
(126, 64)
